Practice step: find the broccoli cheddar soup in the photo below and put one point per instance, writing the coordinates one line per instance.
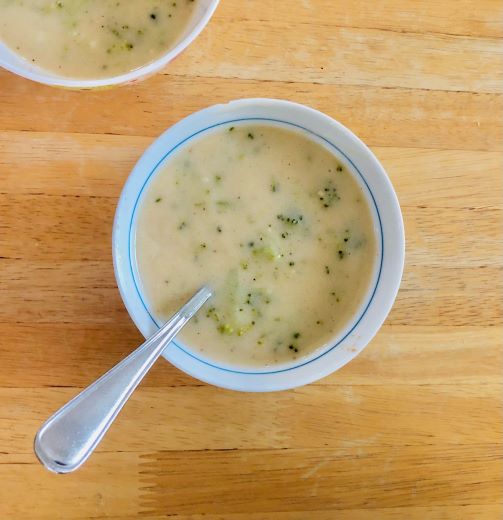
(92, 38)
(275, 224)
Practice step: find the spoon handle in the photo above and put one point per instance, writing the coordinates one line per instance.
(67, 438)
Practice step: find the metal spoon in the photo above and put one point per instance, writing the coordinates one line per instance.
(65, 440)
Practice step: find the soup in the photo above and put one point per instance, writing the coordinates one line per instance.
(92, 39)
(275, 224)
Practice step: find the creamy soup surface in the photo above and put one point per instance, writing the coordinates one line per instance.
(92, 38)
(275, 224)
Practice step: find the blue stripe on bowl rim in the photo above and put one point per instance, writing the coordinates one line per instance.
(286, 123)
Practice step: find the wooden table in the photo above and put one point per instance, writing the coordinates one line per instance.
(411, 429)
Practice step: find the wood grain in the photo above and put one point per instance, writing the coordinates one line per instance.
(382, 116)
(412, 428)
(345, 416)
(348, 56)
(406, 16)
(320, 479)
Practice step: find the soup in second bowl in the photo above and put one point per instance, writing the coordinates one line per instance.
(275, 224)
(91, 39)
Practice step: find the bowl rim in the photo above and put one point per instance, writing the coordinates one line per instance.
(39, 75)
(359, 330)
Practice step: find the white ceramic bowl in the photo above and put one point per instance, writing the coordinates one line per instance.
(388, 227)
(15, 63)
